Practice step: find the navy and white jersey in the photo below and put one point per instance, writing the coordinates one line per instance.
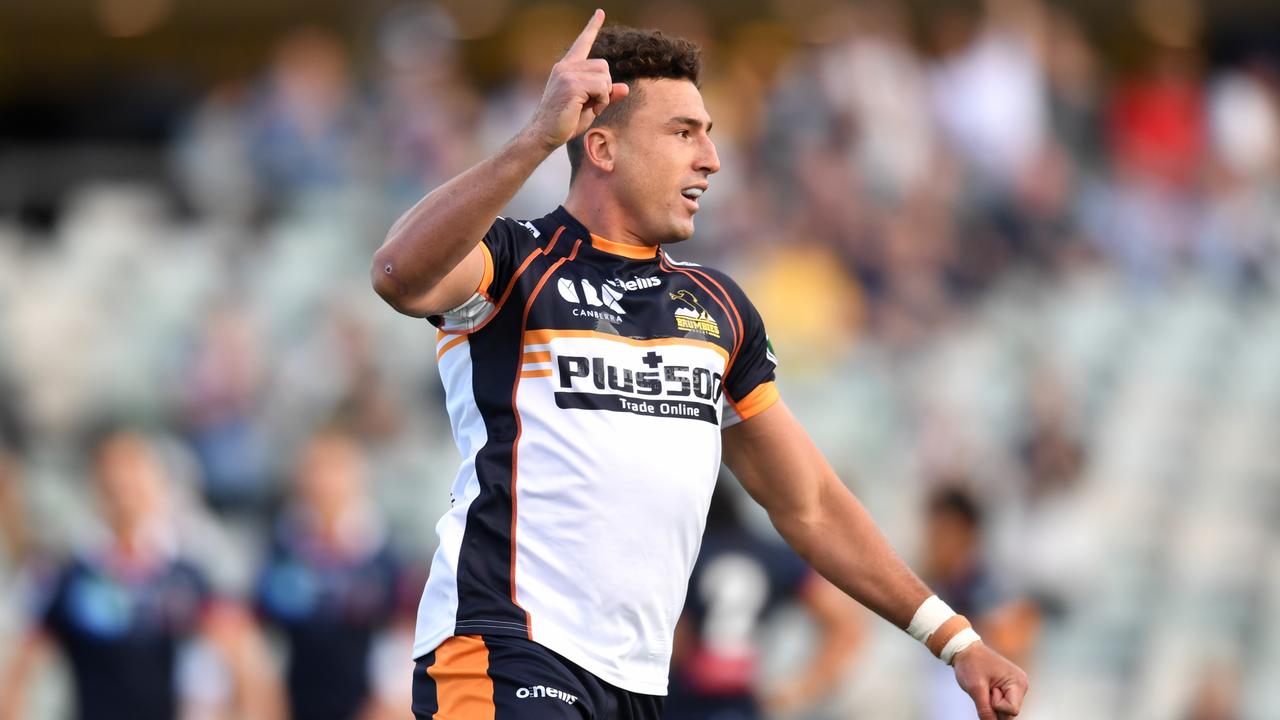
(587, 383)
(738, 581)
(120, 626)
(330, 602)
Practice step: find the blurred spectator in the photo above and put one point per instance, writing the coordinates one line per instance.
(875, 79)
(738, 581)
(224, 384)
(332, 585)
(1238, 240)
(124, 610)
(308, 128)
(427, 108)
(989, 86)
(212, 158)
(954, 566)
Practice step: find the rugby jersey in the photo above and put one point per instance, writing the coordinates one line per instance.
(587, 383)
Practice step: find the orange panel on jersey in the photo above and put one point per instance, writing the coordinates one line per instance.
(487, 279)
(464, 690)
(757, 401)
(545, 372)
(537, 357)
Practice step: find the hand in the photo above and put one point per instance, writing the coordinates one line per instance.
(996, 685)
(578, 90)
(786, 698)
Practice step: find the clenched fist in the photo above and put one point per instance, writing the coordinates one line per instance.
(578, 90)
(996, 685)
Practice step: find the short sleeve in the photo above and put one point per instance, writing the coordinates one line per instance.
(505, 246)
(749, 385)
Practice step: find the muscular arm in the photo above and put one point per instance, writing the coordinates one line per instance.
(430, 261)
(780, 467)
(784, 471)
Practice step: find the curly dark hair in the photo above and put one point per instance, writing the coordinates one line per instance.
(635, 54)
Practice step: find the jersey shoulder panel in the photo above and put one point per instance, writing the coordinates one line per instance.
(749, 380)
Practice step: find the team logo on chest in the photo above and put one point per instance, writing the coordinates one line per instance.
(691, 316)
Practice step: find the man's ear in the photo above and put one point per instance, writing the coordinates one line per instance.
(601, 147)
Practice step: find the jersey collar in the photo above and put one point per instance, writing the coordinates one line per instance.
(633, 252)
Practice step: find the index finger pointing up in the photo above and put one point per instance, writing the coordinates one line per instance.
(582, 46)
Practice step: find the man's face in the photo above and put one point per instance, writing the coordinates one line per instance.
(130, 481)
(664, 157)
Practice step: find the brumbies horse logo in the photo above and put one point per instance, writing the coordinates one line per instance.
(693, 317)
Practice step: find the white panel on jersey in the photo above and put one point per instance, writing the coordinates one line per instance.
(438, 608)
(607, 532)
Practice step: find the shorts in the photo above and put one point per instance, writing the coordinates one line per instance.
(496, 677)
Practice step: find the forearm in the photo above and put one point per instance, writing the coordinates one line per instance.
(13, 684)
(432, 238)
(838, 537)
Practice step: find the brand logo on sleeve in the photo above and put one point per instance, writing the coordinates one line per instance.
(692, 317)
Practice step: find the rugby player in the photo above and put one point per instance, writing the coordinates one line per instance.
(593, 383)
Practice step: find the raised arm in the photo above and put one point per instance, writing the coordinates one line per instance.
(430, 261)
(776, 461)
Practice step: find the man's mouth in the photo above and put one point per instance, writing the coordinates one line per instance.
(691, 194)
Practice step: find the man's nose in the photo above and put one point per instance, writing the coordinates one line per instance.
(708, 159)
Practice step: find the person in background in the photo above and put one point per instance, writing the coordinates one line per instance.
(332, 585)
(954, 566)
(738, 581)
(122, 610)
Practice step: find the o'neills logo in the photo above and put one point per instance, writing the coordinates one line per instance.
(692, 317)
(542, 691)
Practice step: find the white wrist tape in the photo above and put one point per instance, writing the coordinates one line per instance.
(929, 617)
(962, 640)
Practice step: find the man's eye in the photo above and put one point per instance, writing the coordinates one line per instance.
(683, 133)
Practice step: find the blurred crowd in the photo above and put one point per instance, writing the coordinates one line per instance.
(1025, 296)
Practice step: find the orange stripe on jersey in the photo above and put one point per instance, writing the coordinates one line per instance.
(487, 279)
(450, 345)
(542, 337)
(536, 373)
(757, 401)
(737, 316)
(463, 686)
(511, 285)
(537, 357)
(635, 252)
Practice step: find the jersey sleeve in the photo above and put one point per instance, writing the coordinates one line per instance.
(505, 246)
(749, 383)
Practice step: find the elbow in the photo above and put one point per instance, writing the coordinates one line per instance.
(389, 285)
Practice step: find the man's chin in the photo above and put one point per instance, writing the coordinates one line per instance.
(681, 232)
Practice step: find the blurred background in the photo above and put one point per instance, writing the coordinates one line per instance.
(1020, 261)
